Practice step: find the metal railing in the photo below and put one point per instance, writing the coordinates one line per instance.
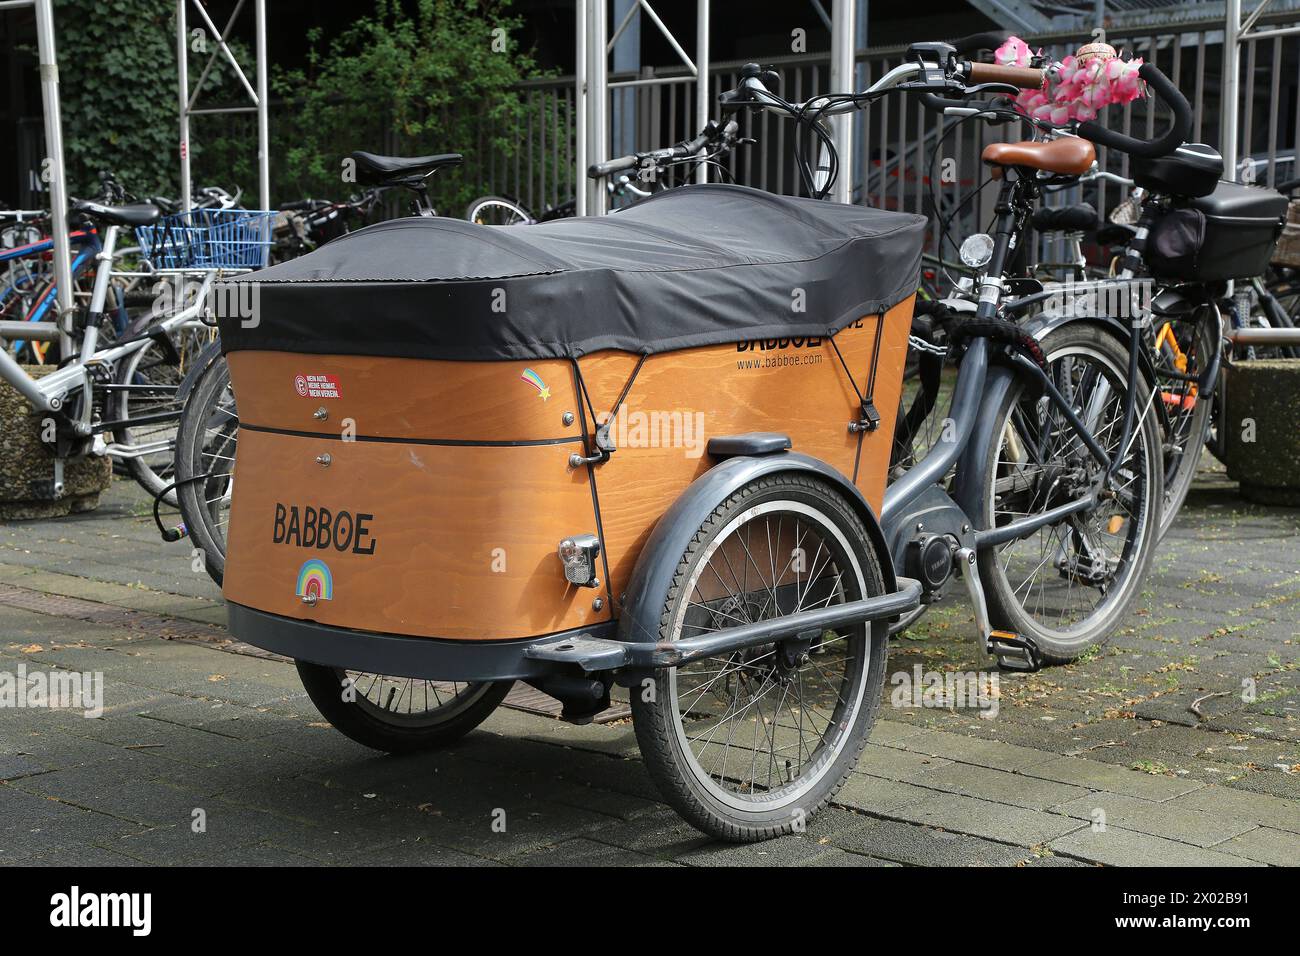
(895, 139)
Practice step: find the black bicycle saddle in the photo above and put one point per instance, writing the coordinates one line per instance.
(400, 170)
(131, 214)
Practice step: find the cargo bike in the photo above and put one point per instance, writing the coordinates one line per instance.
(647, 450)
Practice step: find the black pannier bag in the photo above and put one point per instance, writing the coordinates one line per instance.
(1229, 234)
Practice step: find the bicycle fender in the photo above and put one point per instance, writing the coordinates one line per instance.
(641, 605)
(1041, 325)
(968, 489)
(211, 352)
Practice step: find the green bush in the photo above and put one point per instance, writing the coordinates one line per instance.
(430, 82)
(434, 76)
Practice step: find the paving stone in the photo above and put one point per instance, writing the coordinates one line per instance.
(834, 857)
(878, 795)
(13, 766)
(1265, 845)
(886, 732)
(900, 765)
(529, 825)
(1102, 776)
(1269, 783)
(1220, 606)
(984, 818)
(663, 835)
(789, 850)
(1120, 847)
(972, 750)
(1252, 808)
(583, 852)
(922, 845)
(1002, 787)
(120, 790)
(31, 825)
(1168, 819)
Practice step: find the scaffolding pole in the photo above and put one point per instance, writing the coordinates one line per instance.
(53, 171)
(1231, 57)
(591, 93)
(703, 107)
(843, 35)
(257, 96)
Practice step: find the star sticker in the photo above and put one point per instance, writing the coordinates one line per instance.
(545, 393)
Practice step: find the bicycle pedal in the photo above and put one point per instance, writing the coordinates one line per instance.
(1014, 653)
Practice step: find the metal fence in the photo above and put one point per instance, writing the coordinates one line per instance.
(902, 151)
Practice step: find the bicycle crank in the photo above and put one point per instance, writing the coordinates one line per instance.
(1014, 653)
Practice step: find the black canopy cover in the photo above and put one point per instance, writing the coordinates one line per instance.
(699, 265)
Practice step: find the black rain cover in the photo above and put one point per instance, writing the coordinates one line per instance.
(699, 265)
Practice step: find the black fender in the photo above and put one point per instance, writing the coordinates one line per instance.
(210, 354)
(969, 491)
(642, 603)
(1041, 325)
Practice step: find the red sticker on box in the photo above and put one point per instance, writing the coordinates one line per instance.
(317, 386)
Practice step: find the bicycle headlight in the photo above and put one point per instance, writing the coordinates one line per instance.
(977, 250)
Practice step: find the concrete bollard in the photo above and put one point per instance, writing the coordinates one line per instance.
(27, 467)
(1262, 448)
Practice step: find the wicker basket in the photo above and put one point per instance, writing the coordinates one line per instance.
(1287, 252)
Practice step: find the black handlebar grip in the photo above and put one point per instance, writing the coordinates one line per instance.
(989, 40)
(597, 170)
(1153, 148)
(693, 146)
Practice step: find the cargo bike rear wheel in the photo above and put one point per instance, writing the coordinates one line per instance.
(399, 714)
(747, 745)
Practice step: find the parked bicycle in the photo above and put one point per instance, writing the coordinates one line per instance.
(1052, 512)
(118, 398)
(305, 224)
(634, 176)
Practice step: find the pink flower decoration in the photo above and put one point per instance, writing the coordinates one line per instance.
(1015, 52)
(1074, 91)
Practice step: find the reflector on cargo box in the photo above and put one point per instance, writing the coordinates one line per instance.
(699, 265)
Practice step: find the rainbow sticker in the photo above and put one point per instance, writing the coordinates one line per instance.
(535, 380)
(315, 580)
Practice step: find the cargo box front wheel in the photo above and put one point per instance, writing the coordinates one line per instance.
(399, 714)
(747, 745)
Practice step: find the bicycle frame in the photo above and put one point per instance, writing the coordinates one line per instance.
(50, 393)
(979, 388)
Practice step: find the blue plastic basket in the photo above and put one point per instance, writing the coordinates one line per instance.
(208, 239)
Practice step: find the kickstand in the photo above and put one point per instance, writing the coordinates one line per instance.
(1014, 653)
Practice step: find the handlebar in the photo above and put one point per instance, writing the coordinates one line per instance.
(1024, 77)
(712, 134)
(1149, 149)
